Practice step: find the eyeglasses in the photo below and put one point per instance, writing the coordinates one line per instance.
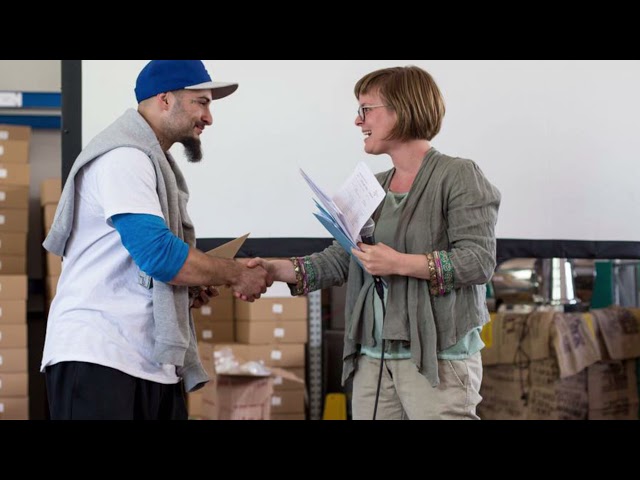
(363, 109)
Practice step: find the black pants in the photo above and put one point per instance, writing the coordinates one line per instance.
(86, 391)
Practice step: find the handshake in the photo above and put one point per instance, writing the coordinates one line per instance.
(256, 275)
(248, 278)
(203, 272)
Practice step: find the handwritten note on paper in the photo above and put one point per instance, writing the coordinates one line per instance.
(345, 213)
(359, 197)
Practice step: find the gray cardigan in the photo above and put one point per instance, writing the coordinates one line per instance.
(174, 333)
(451, 206)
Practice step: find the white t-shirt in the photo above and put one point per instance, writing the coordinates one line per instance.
(100, 313)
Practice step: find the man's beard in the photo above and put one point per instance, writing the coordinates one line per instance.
(192, 149)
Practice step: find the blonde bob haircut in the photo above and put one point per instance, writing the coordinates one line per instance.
(413, 94)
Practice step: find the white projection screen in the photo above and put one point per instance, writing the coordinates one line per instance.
(560, 139)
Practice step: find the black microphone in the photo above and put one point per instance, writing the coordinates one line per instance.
(366, 234)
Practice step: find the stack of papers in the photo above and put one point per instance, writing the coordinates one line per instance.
(345, 214)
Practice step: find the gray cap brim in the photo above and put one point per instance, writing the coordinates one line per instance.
(218, 89)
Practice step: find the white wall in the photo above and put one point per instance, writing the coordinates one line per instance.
(559, 138)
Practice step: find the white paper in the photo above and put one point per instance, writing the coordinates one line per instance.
(329, 206)
(358, 198)
(348, 210)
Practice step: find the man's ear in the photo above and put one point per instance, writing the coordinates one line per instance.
(163, 98)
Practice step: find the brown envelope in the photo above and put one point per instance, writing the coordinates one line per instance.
(229, 249)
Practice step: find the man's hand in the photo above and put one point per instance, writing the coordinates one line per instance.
(202, 295)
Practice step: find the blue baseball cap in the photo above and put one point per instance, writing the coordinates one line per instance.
(160, 76)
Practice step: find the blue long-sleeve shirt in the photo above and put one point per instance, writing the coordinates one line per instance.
(153, 247)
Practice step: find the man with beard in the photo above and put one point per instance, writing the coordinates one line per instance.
(120, 341)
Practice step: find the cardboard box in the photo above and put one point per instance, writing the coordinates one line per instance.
(14, 143)
(14, 152)
(13, 287)
(283, 356)
(48, 214)
(13, 360)
(13, 265)
(50, 191)
(14, 384)
(194, 404)
(244, 397)
(14, 220)
(14, 408)
(13, 312)
(13, 244)
(288, 401)
(271, 332)
(214, 332)
(13, 336)
(14, 174)
(229, 397)
(266, 309)
(54, 265)
(14, 196)
(218, 309)
(284, 383)
(52, 285)
(237, 397)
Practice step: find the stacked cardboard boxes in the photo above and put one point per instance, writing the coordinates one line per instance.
(50, 190)
(14, 221)
(214, 321)
(272, 330)
(214, 324)
(236, 395)
(14, 198)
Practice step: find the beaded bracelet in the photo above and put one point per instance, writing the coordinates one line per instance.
(447, 271)
(309, 275)
(299, 276)
(433, 278)
(436, 257)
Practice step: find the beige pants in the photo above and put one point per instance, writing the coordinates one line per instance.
(406, 394)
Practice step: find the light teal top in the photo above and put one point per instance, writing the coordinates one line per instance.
(396, 350)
